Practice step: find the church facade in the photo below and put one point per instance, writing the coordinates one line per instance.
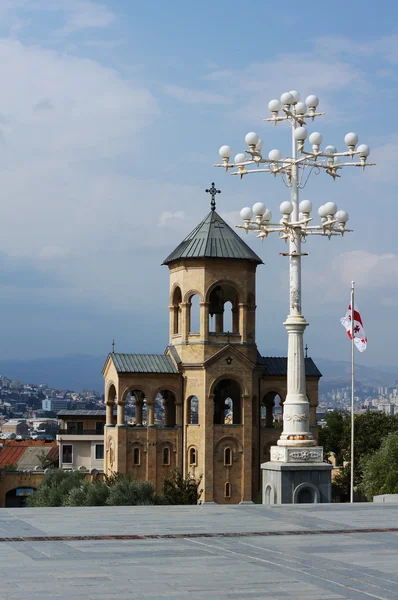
(207, 404)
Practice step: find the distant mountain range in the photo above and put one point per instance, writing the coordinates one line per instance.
(83, 372)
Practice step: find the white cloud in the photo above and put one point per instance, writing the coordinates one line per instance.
(169, 218)
(192, 96)
(372, 273)
(78, 15)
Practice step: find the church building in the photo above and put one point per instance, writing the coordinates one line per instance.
(206, 405)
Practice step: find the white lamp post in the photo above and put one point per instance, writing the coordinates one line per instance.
(294, 227)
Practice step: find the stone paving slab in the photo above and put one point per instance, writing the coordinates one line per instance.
(357, 566)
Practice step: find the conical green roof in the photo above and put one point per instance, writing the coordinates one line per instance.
(213, 238)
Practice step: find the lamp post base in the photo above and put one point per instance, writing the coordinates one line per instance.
(292, 454)
(296, 482)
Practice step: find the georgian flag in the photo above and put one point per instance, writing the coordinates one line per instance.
(360, 339)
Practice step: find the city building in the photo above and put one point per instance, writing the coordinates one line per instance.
(81, 439)
(207, 404)
(15, 427)
(55, 404)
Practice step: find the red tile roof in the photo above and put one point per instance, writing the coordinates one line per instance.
(11, 455)
(13, 450)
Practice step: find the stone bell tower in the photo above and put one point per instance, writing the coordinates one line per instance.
(207, 405)
(212, 336)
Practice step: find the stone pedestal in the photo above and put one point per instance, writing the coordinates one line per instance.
(296, 476)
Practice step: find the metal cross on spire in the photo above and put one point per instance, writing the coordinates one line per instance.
(213, 192)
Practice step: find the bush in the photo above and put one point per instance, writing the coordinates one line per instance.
(128, 492)
(88, 494)
(380, 470)
(55, 487)
(180, 490)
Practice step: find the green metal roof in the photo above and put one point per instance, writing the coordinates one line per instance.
(213, 238)
(278, 366)
(143, 363)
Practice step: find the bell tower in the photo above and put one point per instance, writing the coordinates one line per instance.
(212, 290)
(213, 339)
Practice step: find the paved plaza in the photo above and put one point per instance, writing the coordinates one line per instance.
(311, 552)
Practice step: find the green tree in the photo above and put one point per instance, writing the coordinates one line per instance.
(10, 467)
(89, 493)
(55, 487)
(180, 490)
(331, 437)
(380, 470)
(370, 429)
(128, 492)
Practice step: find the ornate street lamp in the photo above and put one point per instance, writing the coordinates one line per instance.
(294, 227)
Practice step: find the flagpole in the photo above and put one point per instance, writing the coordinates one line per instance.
(352, 393)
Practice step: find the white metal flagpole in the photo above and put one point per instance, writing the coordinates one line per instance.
(352, 393)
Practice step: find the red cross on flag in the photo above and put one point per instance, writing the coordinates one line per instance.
(360, 339)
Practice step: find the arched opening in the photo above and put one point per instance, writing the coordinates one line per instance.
(176, 315)
(269, 495)
(306, 493)
(166, 456)
(135, 408)
(227, 456)
(165, 409)
(271, 410)
(227, 488)
(227, 403)
(223, 309)
(193, 457)
(228, 316)
(110, 404)
(194, 314)
(17, 497)
(193, 411)
(305, 496)
(136, 456)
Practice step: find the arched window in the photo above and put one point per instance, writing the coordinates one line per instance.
(166, 456)
(193, 411)
(194, 314)
(223, 309)
(227, 492)
(228, 317)
(271, 409)
(227, 403)
(136, 406)
(136, 456)
(177, 299)
(165, 409)
(227, 456)
(192, 457)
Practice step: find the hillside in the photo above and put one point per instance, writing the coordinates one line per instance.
(83, 372)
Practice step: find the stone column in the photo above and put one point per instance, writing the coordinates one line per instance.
(109, 415)
(208, 451)
(150, 406)
(243, 321)
(171, 328)
(269, 417)
(219, 322)
(235, 319)
(138, 411)
(247, 448)
(204, 320)
(165, 402)
(185, 325)
(178, 405)
(121, 414)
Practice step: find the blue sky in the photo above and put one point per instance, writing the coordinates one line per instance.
(111, 116)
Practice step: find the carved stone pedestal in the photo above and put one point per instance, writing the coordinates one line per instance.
(296, 476)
